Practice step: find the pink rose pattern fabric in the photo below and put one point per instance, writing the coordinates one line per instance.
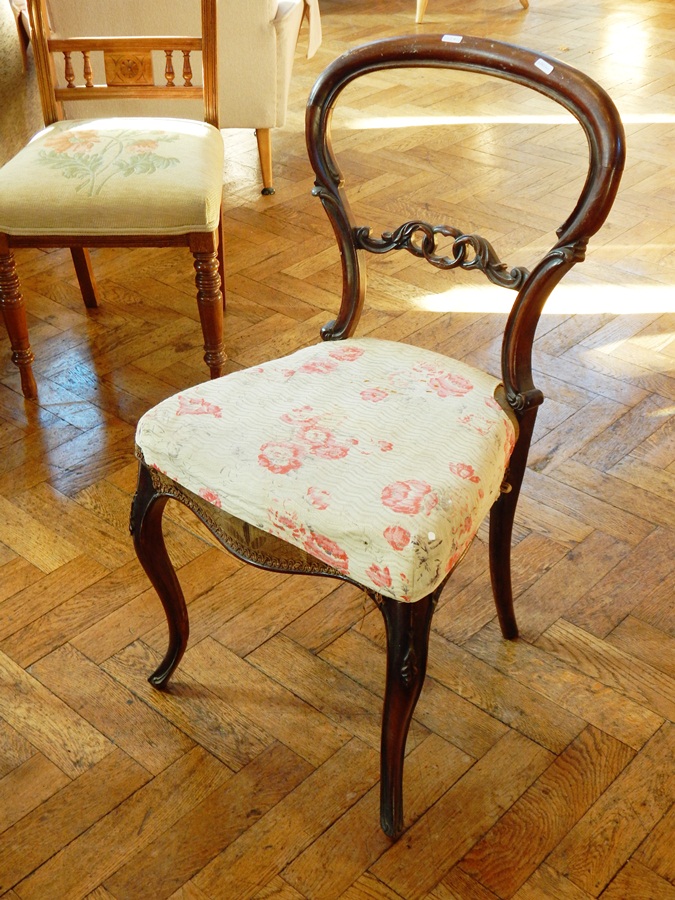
(378, 458)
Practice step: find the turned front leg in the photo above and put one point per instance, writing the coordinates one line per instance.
(14, 314)
(210, 301)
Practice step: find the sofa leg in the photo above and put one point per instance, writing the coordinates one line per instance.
(264, 138)
(421, 9)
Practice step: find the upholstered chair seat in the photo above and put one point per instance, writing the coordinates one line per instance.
(327, 443)
(115, 176)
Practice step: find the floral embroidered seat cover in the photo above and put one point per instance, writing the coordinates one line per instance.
(115, 176)
(378, 458)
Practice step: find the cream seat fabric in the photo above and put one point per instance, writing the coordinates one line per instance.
(115, 176)
(327, 442)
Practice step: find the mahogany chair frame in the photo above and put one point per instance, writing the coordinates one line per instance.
(206, 247)
(408, 624)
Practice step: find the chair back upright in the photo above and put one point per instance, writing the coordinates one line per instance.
(575, 91)
(127, 63)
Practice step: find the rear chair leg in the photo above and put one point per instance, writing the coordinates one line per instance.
(85, 276)
(14, 314)
(146, 529)
(501, 527)
(221, 260)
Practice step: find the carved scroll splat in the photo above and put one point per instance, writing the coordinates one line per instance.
(128, 70)
(469, 251)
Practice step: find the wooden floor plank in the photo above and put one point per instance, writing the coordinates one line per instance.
(29, 604)
(546, 882)
(67, 814)
(598, 846)
(273, 708)
(584, 696)
(317, 683)
(131, 725)
(436, 842)
(522, 839)
(539, 768)
(613, 597)
(645, 642)
(168, 863)
(15, 749)
(288, 828)
(636, 881)
(80, 867)
(28, 786)
(511, 701)
(621, 671)
(211, 722)
(333, 862)
(50, 725)
(440, 709)
(656, 851)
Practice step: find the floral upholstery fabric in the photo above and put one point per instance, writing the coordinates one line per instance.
(115, 176)
(378, 458)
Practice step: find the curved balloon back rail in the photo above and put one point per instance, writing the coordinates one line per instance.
(572, 89)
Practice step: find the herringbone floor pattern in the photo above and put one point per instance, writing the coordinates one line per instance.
(543, 768)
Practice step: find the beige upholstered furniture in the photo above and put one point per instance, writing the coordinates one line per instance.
(20, 10)
(256, 45)
(116, 182)
(422, 8)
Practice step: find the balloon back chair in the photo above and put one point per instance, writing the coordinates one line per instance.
(369, 460)
(117, 182)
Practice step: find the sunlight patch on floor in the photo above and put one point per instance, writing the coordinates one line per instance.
(574, 299)
(356, 122)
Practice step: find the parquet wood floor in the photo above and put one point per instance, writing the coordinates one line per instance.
(539, 769)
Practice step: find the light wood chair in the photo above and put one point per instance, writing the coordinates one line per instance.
(117, 182)
(421, 8)
(368, 460)
(256, 45)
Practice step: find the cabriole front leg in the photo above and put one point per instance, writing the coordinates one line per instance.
(146, 529)
(407, 627)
